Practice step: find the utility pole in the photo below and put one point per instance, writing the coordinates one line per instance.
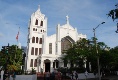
(98, 64)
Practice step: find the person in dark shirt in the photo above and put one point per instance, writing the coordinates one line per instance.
(59, 75)
(52, 76)
(47, 75)
(76, 76)
(6, 75)
(72, 74)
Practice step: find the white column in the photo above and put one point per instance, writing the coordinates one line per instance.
(39, 68)
(38, 65)
(58, 40)
(42, 66)
(44, 43)
(51, 66)
(59, 48)
(58, 33)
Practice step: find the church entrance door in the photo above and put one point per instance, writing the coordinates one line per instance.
(47, 65)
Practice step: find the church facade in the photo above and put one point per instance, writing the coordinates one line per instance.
(44, 52)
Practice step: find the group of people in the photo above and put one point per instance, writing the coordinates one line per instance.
(53, 75)
(74, 74)
(5, 74)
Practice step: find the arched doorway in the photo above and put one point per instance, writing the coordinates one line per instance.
(47, 65)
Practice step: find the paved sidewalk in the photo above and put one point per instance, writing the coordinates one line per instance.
(104, 78)
(110, 77)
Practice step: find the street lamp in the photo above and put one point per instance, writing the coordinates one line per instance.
(99, 77)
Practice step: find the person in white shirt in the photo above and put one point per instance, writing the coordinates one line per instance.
(2, 73)
(86, 74)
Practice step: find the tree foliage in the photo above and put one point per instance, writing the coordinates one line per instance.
(114, 62)
(12, 59)
(85, 51)
(113, 13)
(78, 52)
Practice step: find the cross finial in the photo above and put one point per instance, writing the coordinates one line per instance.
(67, 19)
(39, 7)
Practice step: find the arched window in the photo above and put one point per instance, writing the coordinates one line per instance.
(36, 39)
(36, 23)
(65, 63)
(33, 39)
(66, 43)
(32, 51)
(50, 48)
(40, 42)
(53, 64)
(33, 29)
(36, 51)
(31, 63)
(35, 63)
(41, 23)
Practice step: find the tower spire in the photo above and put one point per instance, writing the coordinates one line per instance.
(38, 10)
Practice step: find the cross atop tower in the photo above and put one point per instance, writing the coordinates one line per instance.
(67, 19)
(39, 7)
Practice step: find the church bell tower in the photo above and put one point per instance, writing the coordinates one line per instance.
(37, 32)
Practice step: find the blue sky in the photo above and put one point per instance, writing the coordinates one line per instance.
(83, 14)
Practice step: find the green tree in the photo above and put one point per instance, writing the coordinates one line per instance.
(114, 62)
(13, 59)
(91, 56)
(85, 51)
(78, 52)
(114, 15)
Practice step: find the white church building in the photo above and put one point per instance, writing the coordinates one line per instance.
(44, 52)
